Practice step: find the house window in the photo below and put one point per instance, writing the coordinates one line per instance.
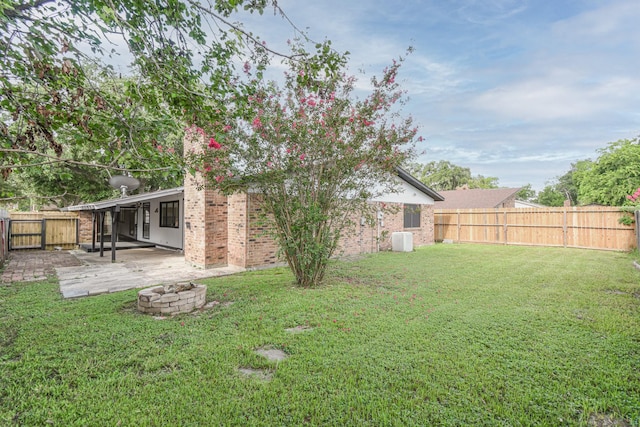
(169, 214)
(146, 219)
(411, 216)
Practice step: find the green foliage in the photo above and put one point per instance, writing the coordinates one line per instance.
(612, 176)
(314, 153)
(564, 187)
(82, 169)
(56, 94)
(448, 335)
(526, 193)
(551, 196)
(444, 175)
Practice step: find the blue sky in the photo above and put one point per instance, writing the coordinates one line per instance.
(514, 89)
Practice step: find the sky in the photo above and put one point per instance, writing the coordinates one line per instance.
(514, 89)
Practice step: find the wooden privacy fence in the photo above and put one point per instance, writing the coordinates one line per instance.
(43, 230)
(574, 227)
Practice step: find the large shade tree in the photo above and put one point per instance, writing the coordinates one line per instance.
(612, 176)
(443, 175)
(184, 55)
(314, 153)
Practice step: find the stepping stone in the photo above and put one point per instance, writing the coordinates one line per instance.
(272, 354)
(298, 329)
(256, 373)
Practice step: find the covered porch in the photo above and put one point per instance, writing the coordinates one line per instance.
(139, 221)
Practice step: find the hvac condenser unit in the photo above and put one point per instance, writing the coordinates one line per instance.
(402, 241)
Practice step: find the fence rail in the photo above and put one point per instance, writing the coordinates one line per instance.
(575, 227)
(43, 230)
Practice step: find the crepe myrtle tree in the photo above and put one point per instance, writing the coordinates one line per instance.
(314, 153)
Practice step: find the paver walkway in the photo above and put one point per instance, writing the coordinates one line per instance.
(84, 274)
(28, 266)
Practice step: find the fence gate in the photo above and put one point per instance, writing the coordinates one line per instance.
(27, 234)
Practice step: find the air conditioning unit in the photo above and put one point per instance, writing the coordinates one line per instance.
(402, 241)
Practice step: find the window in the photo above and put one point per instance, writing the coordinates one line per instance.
(170, 214)
(411, 216)
(146, 219)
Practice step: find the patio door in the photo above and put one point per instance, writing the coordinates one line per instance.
(146, 220)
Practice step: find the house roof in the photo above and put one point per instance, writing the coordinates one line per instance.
(475, 198)
(406, 176)
(132, 200)
(125, 201)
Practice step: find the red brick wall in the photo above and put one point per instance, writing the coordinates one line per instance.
(261, 248)
(85, 226)
(364, 238)
(237, 230)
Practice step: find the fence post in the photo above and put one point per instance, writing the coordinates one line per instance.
(43, 235)
(565, 238)
(505, 226)
(637, 218)
(458, 224)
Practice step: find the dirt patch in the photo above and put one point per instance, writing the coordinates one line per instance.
(299, 329)
(615, 292)
(605, 420)
(260, 374)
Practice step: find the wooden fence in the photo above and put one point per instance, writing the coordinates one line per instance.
(574, 227)
(43, 230)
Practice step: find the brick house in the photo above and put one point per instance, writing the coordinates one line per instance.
(215, 230)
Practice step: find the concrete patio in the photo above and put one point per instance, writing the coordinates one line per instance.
(135, 268)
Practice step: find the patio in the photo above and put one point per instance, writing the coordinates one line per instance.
(82, 274)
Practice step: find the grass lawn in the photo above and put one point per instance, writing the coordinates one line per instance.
(446, 335)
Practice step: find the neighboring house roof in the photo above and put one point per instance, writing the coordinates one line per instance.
(476, 198)
(125, 201)
(526, 204)
(410, 179)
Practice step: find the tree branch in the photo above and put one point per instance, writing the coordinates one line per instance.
(16, 11)
(55, 159)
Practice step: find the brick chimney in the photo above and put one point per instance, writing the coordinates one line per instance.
(205, 217)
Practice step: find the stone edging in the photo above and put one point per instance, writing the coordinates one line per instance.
(152, 302)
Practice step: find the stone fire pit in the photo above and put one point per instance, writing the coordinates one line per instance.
(180, 298)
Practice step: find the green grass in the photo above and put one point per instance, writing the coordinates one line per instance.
(446, 335)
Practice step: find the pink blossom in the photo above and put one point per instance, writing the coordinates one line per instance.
(630, 197)
(302, 156)
(311, 103)
(247, 67)
(269, 164)
(257, 123)
(214, 144)
(227, 128)
(219, 178)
